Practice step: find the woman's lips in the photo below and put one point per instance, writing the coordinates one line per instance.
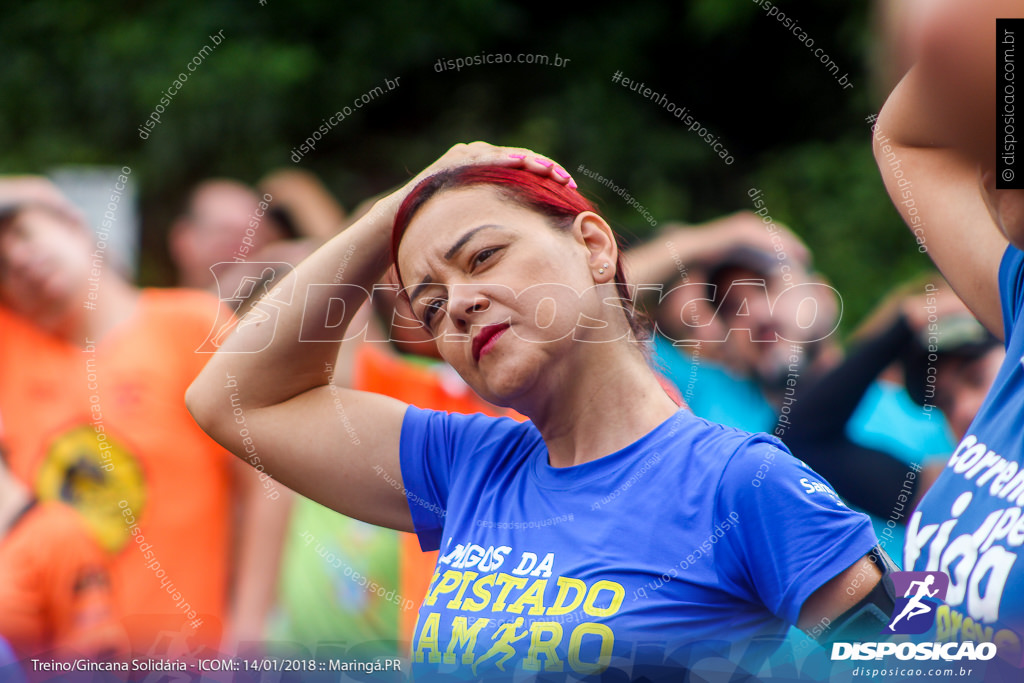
(486, 339)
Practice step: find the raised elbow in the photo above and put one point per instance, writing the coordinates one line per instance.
(203, 407)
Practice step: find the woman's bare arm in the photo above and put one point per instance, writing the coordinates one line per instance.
(267, 394)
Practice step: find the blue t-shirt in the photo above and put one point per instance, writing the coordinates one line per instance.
(697, 540)
(969, 524)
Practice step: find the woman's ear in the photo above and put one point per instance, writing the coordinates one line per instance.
(594, 233)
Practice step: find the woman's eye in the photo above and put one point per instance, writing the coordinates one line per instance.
(433, 307)
(483, 255)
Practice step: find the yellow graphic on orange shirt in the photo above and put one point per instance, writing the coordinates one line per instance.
(92, 472)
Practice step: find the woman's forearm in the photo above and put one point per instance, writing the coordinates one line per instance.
(288, 342)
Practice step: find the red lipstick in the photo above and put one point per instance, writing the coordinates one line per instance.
(486, 339)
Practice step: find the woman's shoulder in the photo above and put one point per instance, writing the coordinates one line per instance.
(466, 448)
(465, 433)
(717, 454)
(761, 471)
(719, 442)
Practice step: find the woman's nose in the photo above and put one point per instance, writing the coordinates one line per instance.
(465, 303)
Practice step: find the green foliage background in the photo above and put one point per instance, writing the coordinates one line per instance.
(79, 79)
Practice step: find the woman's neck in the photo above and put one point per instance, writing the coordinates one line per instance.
(606, 403)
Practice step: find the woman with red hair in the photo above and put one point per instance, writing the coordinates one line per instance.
(612, 531)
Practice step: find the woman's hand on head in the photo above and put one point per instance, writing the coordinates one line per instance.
(480, 153)
(468, 154)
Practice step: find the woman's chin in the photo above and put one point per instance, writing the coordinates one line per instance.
(500, 394)
(505, 387)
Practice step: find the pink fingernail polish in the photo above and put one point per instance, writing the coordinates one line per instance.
(561, 173)
(572, 184)
(544, 162)
(517, 156)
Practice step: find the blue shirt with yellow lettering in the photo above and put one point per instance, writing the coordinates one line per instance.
(694, 543)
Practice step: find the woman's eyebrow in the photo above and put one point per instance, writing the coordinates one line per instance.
(461, 242)
(420, 287)
(448, 255)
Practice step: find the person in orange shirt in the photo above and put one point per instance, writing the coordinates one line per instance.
(55, 591)
(94, 373)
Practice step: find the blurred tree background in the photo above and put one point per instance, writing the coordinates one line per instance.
(80, 79)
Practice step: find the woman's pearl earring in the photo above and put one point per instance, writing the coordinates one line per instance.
(601, 270)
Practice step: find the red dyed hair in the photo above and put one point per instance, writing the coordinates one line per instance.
(559, 203)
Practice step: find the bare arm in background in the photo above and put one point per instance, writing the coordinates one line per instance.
(934, 142)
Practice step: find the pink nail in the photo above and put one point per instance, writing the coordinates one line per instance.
(561, 173)
(544, 162)
(572, 184)
(517, 156)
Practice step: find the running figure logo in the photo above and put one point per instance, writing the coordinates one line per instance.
(922, 592)
(505, 636)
